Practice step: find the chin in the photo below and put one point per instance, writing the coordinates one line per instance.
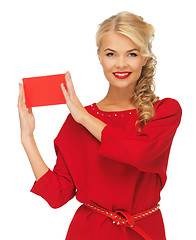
(122, 82)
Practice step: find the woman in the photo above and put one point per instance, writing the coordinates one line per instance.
(114, 152)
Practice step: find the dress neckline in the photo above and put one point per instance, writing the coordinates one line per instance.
(121, 111)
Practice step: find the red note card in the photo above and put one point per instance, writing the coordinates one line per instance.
(44, 90)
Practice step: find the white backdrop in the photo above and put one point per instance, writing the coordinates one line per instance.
(50, 37)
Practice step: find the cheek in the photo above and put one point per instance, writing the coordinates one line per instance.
(136, 65)
(107, 65)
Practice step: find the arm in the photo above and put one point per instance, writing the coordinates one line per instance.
(94, 125)
(56, 186)
(78, 112)
(27, 126)
(38, 165)
(148, 150)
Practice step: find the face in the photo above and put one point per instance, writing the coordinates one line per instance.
(121, 60)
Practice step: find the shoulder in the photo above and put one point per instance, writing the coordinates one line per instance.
(168, 105)
(168, 111)
(66, 126)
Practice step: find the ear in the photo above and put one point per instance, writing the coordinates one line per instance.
(145, 61)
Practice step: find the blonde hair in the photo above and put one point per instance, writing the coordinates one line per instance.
(142, 34)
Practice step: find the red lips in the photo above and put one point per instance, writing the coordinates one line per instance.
(121, 72)
(122, 76)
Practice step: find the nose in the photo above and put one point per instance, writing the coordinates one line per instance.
(121, 62)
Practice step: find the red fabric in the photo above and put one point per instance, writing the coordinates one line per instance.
(126, 170)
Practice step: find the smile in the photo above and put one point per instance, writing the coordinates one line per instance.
(122, 75)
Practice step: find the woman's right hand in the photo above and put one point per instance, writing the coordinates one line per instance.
(27, 120)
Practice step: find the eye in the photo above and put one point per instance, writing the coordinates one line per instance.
(108, 54)
(133, 55)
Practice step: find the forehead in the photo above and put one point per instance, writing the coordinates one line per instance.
(117, 41)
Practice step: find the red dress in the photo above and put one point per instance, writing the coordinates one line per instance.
(126, 170)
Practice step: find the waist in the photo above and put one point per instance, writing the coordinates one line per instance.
(122, 217)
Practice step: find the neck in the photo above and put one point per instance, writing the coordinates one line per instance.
(118, 97)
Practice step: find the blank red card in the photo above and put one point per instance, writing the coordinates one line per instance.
(44, 90)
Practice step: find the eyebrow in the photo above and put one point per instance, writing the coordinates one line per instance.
(115, 51)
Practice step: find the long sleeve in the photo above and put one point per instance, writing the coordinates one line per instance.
(57, 186)
(149, 149)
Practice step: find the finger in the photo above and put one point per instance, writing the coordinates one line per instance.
(67, 82)
(20, 96)
(23, 96)
(22, 102)
(71, 89)
(65, 93)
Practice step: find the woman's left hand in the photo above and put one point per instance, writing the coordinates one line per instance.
(77, 111)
